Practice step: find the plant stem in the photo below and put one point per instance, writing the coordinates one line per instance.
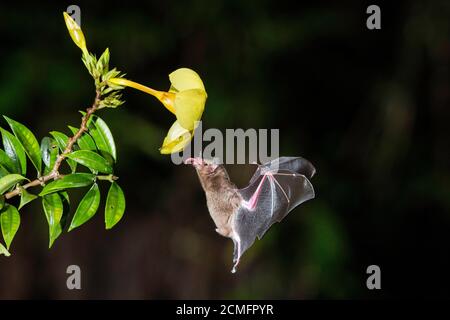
(109, 177)
(54, 174)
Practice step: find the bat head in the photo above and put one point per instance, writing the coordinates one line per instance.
(203, 166)
(213, 176)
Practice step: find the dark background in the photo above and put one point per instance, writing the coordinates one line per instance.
(369, 108)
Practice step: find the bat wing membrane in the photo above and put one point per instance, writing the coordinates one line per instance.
(294, 164)
(273, 192)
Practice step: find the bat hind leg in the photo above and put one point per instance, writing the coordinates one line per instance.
(223, 232)
(236, 251)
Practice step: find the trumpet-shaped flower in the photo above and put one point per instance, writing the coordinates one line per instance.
(185, 99)
(75, 32)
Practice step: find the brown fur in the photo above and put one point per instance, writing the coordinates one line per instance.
(222, 197)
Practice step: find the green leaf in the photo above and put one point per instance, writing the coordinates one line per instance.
(28, 141)
(46, 147)
(66, 208)
(49, 153)
(2, 201)
(115, 205)
(65, 197)
(113, 73)
(85, 142)
(15, 151)
(103, 63)
(113, 100)
(53, 156)
(74, 180)
(62, 140)
(4, 251)
(87, 207)
(91, 160)
(26, 197)
(103, 138)
(10, 222)
(7, 162)
(8, 181)
(90, 61)
(3, 171)
(53, 209)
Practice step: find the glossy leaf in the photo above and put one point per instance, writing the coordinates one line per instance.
(8, 181)
(7, 162)
(53, 209)
(53, 156)
(10, 222)
(91, 160)
(3, 171)
(15, 151)
(62, 140)
(65, 197)
(74, 180)
(87, 207)
(115, 206)
(46, 148)
(103, 62)
(26, 197)
(49, 153)
(103, 138)
(28, 141)
(85, 142)
(4, 251)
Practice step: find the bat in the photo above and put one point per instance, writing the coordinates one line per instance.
(243, 215)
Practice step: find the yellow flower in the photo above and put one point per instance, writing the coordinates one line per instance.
(185, 99)
(75, 32)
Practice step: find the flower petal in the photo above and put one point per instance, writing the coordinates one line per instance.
(189, 106)
(176, 140)
(185, 79)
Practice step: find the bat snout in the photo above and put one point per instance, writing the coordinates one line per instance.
(196, 162)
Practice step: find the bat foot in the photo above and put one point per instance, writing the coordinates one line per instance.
(236, 262)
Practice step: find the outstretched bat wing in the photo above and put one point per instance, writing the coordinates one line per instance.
(294, 164)
(273, 192)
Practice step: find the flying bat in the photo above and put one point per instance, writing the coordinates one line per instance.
(245, 214)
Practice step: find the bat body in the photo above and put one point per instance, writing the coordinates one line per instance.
(245, 214)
